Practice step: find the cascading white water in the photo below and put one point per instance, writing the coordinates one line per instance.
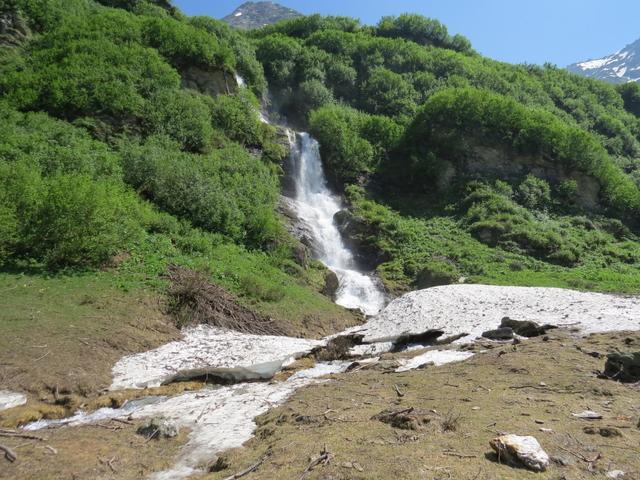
(316, 205)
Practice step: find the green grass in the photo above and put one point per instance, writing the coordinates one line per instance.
(414, 244)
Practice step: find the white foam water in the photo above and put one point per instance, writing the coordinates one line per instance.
(316, 205)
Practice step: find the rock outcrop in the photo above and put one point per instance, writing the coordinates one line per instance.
(624, 367)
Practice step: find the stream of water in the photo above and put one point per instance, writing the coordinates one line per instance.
(316, 206)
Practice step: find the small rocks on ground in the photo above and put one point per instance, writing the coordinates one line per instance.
(159, 427)
(587, 415)
(524, 450)
(624, 367)
(603, 431)
(505, 333)
(616, 474)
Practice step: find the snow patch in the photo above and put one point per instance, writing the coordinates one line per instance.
(238, 14)
(219, 418)
(204, 346)
(437, 357)
(473, 309)
(620, 71)
(11, 399)
(592, 64)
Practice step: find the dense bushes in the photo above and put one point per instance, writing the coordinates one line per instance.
(352, 143)
(421, 30)
(226, 191)
(64, 200)
(453, 120)
(66, 219)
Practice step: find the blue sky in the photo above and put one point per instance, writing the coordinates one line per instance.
(533, 31)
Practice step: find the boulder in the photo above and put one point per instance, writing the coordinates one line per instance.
(159, 427)
(331, 285)
(624, 367)
(502, 333)
(525, 328)
(524, 450)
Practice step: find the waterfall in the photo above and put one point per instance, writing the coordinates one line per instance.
(316, 206)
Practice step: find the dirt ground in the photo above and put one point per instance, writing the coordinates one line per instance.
(457, 410)
(107, 451)
(64, 335)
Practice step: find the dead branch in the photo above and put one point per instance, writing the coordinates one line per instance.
(14, 434)
(247, 471)
(109, 463)
(324, 458)
(8, 453)
(459, 455)
(51, 449)
(121, 420)
(194, 299)
(580, 456)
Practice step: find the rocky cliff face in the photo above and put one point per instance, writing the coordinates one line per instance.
(13, 28)
(258, 14)
(213, 83)
(620, 67)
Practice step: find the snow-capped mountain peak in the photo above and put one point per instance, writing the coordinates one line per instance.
(620, 67)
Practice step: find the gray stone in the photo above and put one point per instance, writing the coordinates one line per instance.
(624, 367)
(159, 427)
(525, 328)
(503, 333)
(331, 284)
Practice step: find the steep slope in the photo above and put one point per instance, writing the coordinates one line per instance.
(620, 67)
(258, 14)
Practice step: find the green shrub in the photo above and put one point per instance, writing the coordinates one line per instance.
(227, 191)
(437, 272)
(534, 193)
(184, 116)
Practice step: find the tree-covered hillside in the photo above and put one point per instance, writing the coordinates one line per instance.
(128, 144)
(460, 166)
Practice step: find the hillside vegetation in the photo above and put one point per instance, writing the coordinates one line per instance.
(460, 166)
(127, 146)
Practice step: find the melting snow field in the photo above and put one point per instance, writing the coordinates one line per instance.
(219, 418)
(205, 346)
(11, 399)
(473, 309)
(437, 357)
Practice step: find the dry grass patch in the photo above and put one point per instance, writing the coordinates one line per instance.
(509, 388)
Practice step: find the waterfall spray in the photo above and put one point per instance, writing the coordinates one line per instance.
(316, 205)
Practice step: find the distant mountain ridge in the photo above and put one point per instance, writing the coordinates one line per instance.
(620, 67)
(258, 14)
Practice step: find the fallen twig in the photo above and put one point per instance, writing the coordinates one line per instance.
(400, 412)
(13, 434)
(8, 453)
(580, 456)
(459, 455)
(324, 458)
(397, 389)
(109, 463)
(247, 471)
(121, 420)
(153, 435)
(51, 449)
